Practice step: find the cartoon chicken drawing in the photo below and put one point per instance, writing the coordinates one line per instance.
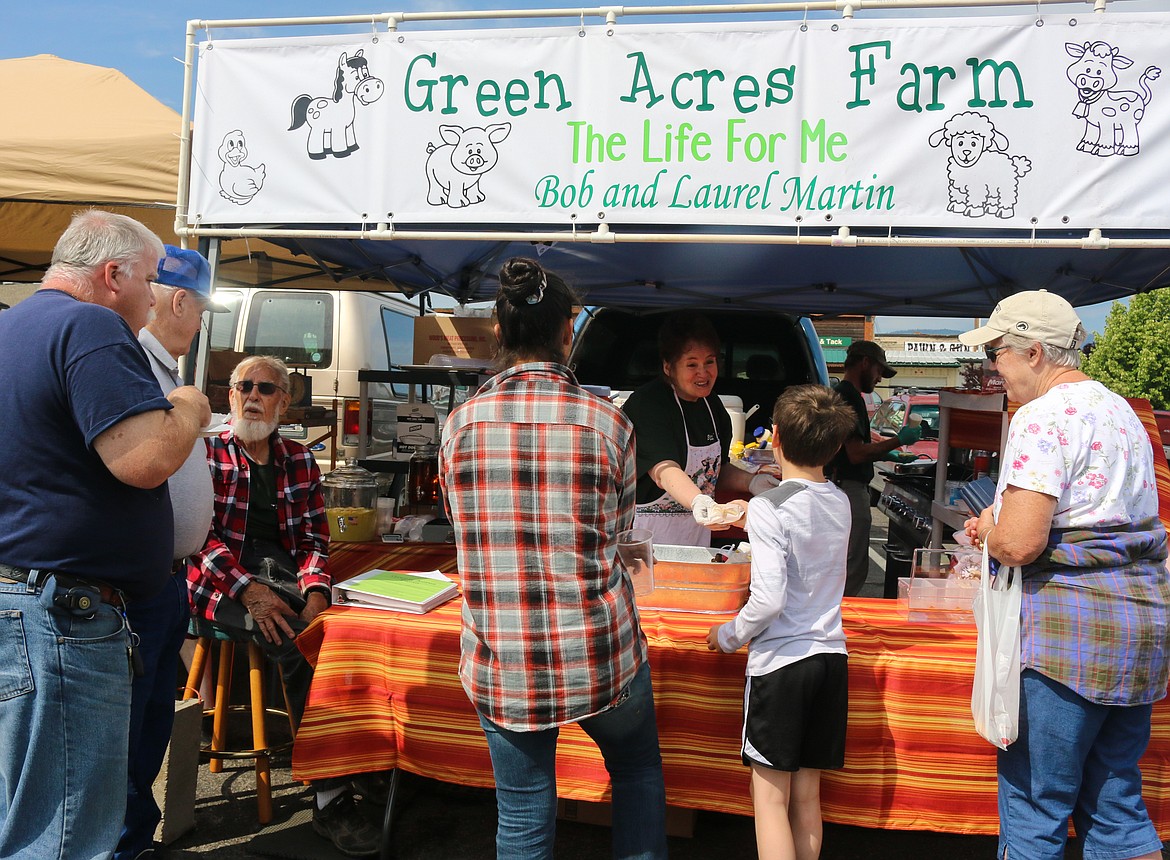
(238, 182)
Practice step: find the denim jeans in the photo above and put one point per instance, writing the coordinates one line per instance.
(524, 764)
(161, 626)
(64, 713)
(1074, 758)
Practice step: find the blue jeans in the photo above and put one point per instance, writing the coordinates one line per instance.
(161, 626)
(64, 712)
(524, 764)
(1074, 758)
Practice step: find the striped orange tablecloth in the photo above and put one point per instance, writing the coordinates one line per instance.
(386, 694)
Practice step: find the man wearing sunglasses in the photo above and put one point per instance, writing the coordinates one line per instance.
(262, 572)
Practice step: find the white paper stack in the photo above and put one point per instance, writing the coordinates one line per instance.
(396, 590)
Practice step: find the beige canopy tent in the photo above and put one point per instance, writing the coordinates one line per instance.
(77, 135)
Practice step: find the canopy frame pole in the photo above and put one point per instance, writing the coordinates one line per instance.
(212, 253)
(605, 234)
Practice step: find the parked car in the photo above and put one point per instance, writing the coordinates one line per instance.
(892, 415)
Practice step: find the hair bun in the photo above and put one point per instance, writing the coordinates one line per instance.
(521, 278)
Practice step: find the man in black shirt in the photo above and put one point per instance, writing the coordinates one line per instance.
(852, 468)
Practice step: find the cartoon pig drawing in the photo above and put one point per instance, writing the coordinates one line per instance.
(454, 167)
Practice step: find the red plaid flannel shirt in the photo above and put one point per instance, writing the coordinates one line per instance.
(215, 570)
(538, 476)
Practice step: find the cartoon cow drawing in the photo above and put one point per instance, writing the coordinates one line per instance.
(238, 182)
(330, 120)
(1111, 116)
(983, 177)
(455, 166)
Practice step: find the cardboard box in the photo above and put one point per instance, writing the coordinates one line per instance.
(174, 787)
(462, 337)
(680, 821)
(416, 425)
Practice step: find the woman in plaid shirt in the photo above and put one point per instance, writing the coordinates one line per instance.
(1077, 507)
(538, 478)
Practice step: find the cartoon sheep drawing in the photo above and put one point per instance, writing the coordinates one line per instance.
(983, 177)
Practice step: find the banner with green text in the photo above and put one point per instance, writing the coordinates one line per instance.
(995, 122)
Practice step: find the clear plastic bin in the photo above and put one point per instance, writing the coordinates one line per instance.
(932, 593)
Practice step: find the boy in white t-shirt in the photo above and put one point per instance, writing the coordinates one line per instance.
(796, 696)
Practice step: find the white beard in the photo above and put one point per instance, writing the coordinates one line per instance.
(250, 431)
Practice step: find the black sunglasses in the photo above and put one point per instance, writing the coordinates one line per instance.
(992, 351)
(245, 386)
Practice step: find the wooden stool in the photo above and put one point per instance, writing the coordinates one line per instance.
(217, 750)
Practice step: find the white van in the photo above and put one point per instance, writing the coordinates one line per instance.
(329, 335)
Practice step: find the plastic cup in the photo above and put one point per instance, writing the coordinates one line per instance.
(385, 515)
(636, 552)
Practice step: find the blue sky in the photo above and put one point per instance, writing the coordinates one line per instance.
(142, 37)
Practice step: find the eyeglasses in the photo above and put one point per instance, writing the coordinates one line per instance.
(245, 386)
(992, 351)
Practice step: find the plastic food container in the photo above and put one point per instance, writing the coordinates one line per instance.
(937, 600)
(760, 456)
(934, 592)
(689, 579)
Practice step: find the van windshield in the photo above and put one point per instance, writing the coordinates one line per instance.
(294, 326)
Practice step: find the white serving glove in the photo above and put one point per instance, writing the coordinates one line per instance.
(709, 513)
(761, 482)
(706, 511)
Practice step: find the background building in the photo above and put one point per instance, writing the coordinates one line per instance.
(925, 358)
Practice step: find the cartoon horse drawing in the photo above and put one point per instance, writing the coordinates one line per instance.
(1111, 115)
(330, 120)
(455, 166)
(238, 182)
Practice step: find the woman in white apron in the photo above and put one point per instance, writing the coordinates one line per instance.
(682, 434)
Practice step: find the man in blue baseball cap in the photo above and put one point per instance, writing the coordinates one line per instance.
(188, 270)
(182, 292)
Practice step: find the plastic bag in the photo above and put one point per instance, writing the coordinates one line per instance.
(995, 695)
(967, 560)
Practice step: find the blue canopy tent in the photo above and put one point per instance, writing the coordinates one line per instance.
(811, 279)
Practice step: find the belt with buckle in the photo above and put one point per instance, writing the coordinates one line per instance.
(108, 593)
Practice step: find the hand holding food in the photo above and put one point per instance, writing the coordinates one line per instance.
(711, 514)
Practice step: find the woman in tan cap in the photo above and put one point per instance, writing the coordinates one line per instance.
(1077, 508)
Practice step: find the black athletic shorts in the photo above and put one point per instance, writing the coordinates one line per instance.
(795, 717)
